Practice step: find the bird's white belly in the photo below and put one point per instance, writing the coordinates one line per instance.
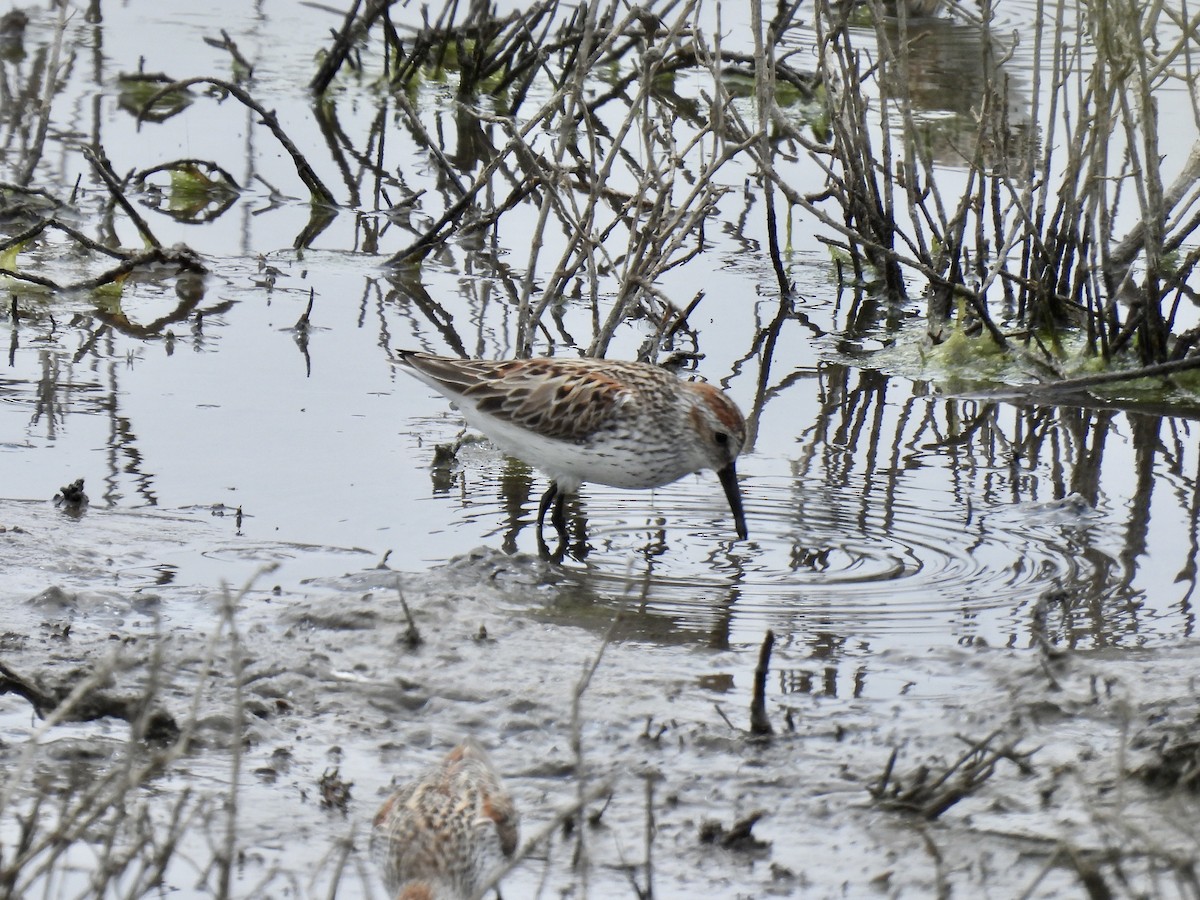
(620, 464)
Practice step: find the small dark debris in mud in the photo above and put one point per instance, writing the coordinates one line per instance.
(12, 529)
(220, 510)
(739, 837)
(782, 874)
(95, 703)
(1178, 767)
(441, 470)
(444, 455)
(1174, 748)
(882, 881)
(411, 637)
(928, 792)
(57, 631)
(280, 764)
(596, 815)
(593, 817)
(266, 710)
(335, 793)
(718, 682)
(651, 735)
(71, 499)
(10, 640)
(481, 636)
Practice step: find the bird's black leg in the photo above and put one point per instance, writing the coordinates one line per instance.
(559, 516)
(547, 499)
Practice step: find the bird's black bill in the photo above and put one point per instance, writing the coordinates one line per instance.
(733, 494)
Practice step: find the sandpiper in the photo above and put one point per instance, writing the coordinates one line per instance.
(443, 836)
(624, 424)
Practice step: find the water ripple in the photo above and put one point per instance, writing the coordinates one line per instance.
(841, 558)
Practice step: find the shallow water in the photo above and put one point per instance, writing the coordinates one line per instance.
(900, 536)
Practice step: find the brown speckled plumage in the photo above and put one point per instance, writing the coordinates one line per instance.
(625, 424)
(439, 838)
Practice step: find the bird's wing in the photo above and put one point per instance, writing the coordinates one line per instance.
(563, 399)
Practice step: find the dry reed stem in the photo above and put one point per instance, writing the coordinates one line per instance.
(133, 850)
(305, 171)
(50, 86)
(1039, 235)
(100, 164)
(660, 231)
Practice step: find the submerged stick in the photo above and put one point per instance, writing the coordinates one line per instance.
(303, 169)
(104, 170)
(760, 722)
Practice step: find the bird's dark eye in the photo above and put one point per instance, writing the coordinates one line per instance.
(721, 438)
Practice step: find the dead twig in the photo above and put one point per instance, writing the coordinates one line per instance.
(227, 44)
(86, 700)
(100, 163)
(308, 175)
(412, 636)
(760, 722)
(184, 257)
(927, 793)
(739, 836)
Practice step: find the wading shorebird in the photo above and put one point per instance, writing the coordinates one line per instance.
(623, 424)
(442, 836)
